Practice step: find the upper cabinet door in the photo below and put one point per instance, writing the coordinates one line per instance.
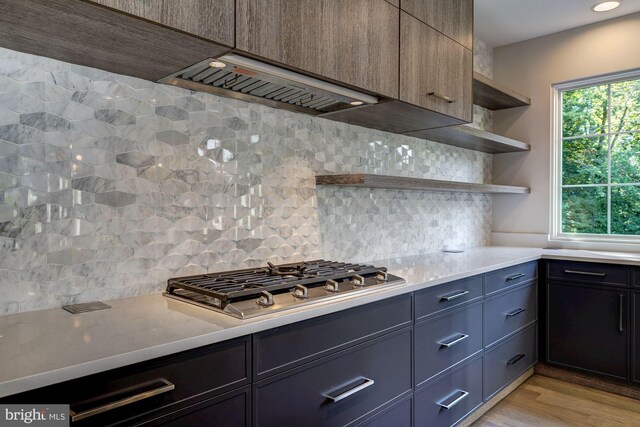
(352, 41)
(453, 18)
(209, 19)
(435, 71)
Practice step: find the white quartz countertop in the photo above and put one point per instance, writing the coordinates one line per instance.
(44, 347)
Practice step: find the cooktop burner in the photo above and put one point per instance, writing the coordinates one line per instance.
(251, 292)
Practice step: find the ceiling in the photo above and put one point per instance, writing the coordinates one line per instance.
(501, 22)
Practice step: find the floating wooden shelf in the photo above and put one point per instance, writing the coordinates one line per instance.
(474, 139)
(404, 183)
(491, 95)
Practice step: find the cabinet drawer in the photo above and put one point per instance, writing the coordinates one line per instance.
(196, 374)
(339, 389)
(230, 410)
(291, 345)
(510, 277)
(509, 312)
(449, 400)
(506, 362)
(433, 300)
(588, 272)
(445, 341)
(398, 415)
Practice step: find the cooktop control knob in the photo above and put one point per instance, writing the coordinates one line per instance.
(357, 281)
(266, 299)
(300, 292)
(332, 286)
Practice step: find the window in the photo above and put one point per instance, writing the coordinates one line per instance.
(597, 167)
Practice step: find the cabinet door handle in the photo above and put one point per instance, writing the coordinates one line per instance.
(454, 402)
(585, 273)
(367, 383)
(515, 359)
(620, 320)
(457, 340)
(455, 295)
(516, 312)
(443, 97)
(515, 276)
(165, 387)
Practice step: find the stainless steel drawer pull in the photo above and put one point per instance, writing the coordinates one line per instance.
(165, 387)
(443, 97)
(367, 383)
(516, 312)
(515, 276)
(620, 317)
(457, 340)
(515, 359)
(453, 403)
(585, 273)
(455, 295)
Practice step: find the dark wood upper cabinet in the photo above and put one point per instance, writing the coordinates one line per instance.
(85, 33)
(353, 42)
(435, 71)
(454, 18)
(209, 19)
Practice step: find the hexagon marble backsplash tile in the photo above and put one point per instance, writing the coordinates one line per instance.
(109, 185)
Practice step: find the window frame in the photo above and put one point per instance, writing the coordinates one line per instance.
(556, 233)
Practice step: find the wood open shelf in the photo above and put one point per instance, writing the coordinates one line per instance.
(491, 95)
(404, 183)
(472, 138)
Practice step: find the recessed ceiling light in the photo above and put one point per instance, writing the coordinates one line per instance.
(356, 103)
(605, 6)
(217, 64)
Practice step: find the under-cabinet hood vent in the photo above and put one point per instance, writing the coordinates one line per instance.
(244, 78)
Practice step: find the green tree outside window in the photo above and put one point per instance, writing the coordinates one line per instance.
(601, 159)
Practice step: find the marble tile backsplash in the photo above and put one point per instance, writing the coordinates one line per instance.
(109, 185)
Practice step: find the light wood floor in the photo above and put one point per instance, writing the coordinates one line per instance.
(544, 401)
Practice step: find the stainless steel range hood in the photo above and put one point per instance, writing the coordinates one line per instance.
(248, 79)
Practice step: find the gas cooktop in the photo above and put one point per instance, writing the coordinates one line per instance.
(252, 292)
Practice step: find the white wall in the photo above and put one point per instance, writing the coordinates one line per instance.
(532, 67)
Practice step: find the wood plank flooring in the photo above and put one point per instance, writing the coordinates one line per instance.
(544, 401)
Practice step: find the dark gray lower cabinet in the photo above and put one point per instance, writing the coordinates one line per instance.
(500, 280)
(588, 328)
(273, 351)
(230, 410)
(508, 360)
(451, 398)
(438, 299)
(509, 312)
(446, 341)
(174, 389)
(397, 415)
(415, 359)
(340, 389)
